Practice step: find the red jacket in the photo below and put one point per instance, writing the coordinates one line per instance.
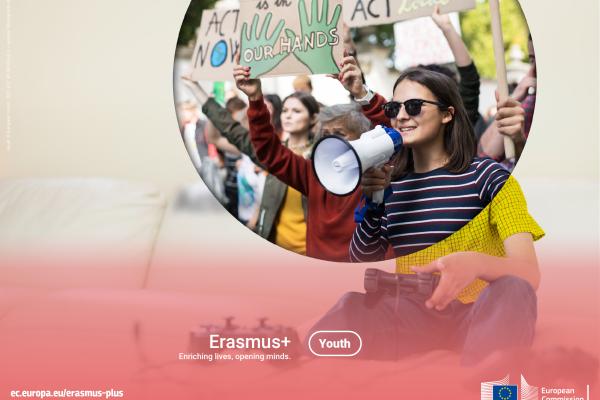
(374, 111)
(330, 223)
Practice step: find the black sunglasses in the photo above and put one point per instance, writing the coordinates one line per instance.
(413, 107)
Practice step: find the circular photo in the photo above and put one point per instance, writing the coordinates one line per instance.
(355, 131)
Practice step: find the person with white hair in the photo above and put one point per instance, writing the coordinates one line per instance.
(330, 219)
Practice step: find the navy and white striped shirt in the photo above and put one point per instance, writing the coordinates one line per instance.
(425, 208)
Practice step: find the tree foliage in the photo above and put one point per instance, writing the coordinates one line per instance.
(191, 21)
(477, 33)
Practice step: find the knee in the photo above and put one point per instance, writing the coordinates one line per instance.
(346, 314)
(346, 309)
(514, 289)
(351, 299)
(514, 284)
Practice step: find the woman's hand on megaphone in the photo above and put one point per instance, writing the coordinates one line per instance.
(250, 87)
(375, 179)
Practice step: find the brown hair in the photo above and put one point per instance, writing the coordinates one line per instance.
(312, 106)
(459, 138)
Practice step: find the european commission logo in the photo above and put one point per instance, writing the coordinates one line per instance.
(503, 390)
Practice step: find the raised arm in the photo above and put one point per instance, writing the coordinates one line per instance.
(194, 87)
(510, 121)
(213, 136)
(457, 46)
(350, 77)
(228, 130)
(469, 83)
(278, 160)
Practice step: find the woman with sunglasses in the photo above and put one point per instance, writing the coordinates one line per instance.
(439, 184)
(443, 211)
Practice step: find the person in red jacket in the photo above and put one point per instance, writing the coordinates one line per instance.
(330, 221)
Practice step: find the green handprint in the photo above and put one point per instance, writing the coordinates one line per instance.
(257, 48)
(319, 60)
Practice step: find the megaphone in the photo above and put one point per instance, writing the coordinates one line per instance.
(339, 164)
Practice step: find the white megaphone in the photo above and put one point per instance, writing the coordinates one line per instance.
(339, 164)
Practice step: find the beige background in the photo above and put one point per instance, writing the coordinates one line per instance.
(91, 95)
(91, 90)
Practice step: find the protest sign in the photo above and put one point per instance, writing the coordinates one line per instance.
(217, 40)
(420, 41)
(376, 12)
(291, 37)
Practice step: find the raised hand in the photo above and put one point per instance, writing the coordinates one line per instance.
(262, 43)
(441, 20)
(319, 60)
(510, 119)
(195, 88)
(351, 77)
(251, 87)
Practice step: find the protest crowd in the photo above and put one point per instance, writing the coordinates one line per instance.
(260, 189)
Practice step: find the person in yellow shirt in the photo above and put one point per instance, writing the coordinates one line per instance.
(445, 212)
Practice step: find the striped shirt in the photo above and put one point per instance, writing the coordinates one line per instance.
(425, 208)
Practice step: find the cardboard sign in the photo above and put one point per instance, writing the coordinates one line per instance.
(291, 37)
(420, 41)
(217, 40)
(376, 12)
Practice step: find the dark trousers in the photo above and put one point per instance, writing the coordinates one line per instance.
(231, 192)
(392, 327)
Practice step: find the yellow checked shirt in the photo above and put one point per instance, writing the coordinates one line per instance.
(505, 216)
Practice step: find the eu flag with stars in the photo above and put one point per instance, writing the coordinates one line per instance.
(504, 392)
